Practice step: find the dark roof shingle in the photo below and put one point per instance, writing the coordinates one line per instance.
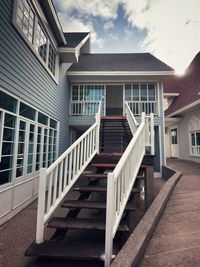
(188, 87)
(74, 38)
(119, 62)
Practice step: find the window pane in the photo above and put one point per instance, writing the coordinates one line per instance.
(193, 139)
(7, 102)
(5, 176)
(7, 148)
(128, 92)
(8, 134)
(143, 92)
(152, 92)
(52, 59)
(198, 139)
(27, 111)
(53, 123)
(6, 163)
(136, 92)
(42, 119)
(75, 92)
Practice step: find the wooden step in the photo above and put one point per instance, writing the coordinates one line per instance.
(72, 250)
(114, 148)
(104, 165)
(94, 175)
(99, 189)
(104, 155)
(113, 118)
(73, 204)
(83, 224)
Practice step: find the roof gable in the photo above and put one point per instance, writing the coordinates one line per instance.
(119, 62)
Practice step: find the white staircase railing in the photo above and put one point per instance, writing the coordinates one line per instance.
(56, 181)
(122, 179)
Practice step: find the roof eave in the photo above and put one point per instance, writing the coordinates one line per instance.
(117, 73)
(50, 13)
(184, 109)
(71, 54)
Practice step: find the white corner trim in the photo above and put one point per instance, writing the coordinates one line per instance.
(171, 94)
(181, 110)
(117, 73)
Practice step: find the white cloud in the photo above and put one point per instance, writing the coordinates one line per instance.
(173, 28)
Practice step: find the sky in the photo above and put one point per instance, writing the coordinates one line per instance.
(169, 29)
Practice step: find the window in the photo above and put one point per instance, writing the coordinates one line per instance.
(31, 28)
(52, 59)
(85, 99)
(141, 97)
(25, 19)
(26, 145)
(195, 143)
(41, 43)
(174, 136)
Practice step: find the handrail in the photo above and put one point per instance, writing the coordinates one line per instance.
(122, 179)
(56, 181)
(133, 124)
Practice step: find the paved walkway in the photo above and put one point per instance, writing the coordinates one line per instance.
(176, 240)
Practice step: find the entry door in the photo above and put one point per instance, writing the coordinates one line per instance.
(174, 142)
(114, 100)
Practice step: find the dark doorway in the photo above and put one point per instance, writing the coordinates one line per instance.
(114, 100)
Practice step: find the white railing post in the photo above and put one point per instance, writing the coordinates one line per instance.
(152, 133)
(41, 207)
(143, 117)
(110, 208)
(98, 121)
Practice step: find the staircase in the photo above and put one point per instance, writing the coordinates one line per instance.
(94, 169)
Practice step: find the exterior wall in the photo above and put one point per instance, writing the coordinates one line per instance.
(23, 75)
(184, 139)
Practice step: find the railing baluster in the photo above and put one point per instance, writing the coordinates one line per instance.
(55, 184)
(49, 200)
(65, 172)
(60, 179)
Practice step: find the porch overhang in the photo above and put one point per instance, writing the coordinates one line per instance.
(117, 76)
(171, 121)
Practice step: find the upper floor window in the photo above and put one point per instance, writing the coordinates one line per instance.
(38, 38)
(142, 97)
(25, 19)
(41, 43)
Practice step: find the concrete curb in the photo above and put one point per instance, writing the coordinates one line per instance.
(132, 252)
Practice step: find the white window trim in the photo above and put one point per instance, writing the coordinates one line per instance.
(190, 144)
(21, 179)
(40, 19)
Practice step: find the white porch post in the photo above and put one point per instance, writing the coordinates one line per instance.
(41, 207)
(152, 134)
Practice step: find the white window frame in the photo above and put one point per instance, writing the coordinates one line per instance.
(196, 147)
(193, 128)
(39, 19)
(156, 101)
(20, 179)
(83, 101)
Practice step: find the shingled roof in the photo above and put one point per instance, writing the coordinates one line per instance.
(119, 62)
(188, 87)
(74, 38)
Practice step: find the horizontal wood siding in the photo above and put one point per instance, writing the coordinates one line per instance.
(22, 74)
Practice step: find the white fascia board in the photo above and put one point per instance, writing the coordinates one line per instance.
(83, 41)
(182, 110)
(117, 73)
(57, 21)
(171, 94)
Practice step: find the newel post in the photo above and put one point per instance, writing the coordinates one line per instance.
(152, 134)
(98, 121)
(41, 207)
